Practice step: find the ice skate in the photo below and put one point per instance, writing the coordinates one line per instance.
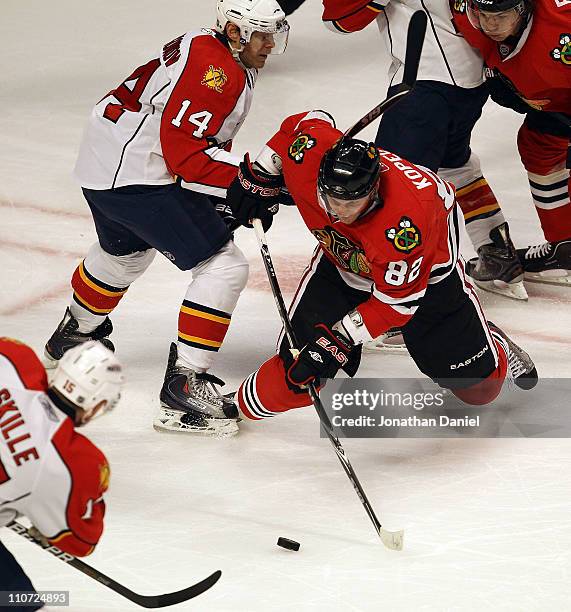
(191, 402)
(497, 268)
(391, 341)
(549, 262)
(66, 337)
(521, 368)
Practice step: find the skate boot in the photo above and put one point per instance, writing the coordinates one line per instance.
(66, 336)
(191, 402)
(549, 262)
(521, 368)
(389, 342)
(497, 268)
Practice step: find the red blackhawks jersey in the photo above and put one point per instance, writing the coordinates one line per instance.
(395, 249)
(539, 67)
(48, 472)
(174, 116)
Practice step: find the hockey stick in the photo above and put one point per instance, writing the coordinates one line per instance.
(391, 539)
(146, 601)
(414, 42)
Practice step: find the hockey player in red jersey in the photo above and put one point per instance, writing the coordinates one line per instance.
(433, 125)
(526, 46)
(154, 165)
(49, 472)
(388, 237)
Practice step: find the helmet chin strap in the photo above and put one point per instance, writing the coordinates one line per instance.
(236, 51)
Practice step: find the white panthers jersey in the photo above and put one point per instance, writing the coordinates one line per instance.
(446, 56)
(48, 472)
(174, 116)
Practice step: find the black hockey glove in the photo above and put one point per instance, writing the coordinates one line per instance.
(254, 195)
(322, 357)
(503, 92)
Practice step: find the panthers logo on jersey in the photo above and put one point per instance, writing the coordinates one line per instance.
(215, 78)
(406, 237)
(350, 256)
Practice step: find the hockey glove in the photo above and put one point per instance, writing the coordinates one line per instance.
(322, 357)
(254, 195)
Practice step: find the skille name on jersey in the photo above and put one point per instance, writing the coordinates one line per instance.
(13, 429)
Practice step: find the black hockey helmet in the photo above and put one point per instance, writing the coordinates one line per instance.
(349, 170)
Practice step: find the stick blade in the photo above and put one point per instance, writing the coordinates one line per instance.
(414, 43)
(392, 539)
(170, 599)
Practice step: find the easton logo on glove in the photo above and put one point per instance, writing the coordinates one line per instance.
(333, 349)
(322, 357)
(260, 190)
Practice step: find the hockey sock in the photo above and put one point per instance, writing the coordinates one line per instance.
(550, 195)
(201, 331)
(93, 299)
(482, 213)
(265, 392)
(208, 305)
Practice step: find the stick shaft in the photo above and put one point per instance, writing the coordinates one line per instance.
(321, 413)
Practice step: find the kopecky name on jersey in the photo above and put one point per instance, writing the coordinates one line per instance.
(417, 179)
(11, 430)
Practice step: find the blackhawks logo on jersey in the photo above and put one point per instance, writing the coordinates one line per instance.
(215, 78)
(299, 146)
(563, 53)
(406, 237)
(350, 256)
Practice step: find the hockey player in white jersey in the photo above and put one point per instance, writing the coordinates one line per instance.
(154, 166)
(49, 472)
(433, 124)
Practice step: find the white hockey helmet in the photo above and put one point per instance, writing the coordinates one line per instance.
(89, 377)
(254, 16)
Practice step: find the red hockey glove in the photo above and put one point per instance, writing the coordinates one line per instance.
(254, 195)
(323, 357)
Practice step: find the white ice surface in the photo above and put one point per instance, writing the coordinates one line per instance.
(487, 521)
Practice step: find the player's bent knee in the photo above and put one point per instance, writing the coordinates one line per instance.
(228, 266)
(117, 270)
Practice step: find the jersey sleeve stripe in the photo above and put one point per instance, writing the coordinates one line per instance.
(387, 299)
(440, 271)
(205, 189)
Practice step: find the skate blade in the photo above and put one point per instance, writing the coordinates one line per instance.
(168, 420)
(514, 291)
(560, 278)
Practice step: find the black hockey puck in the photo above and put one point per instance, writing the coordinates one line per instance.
(289, 544)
